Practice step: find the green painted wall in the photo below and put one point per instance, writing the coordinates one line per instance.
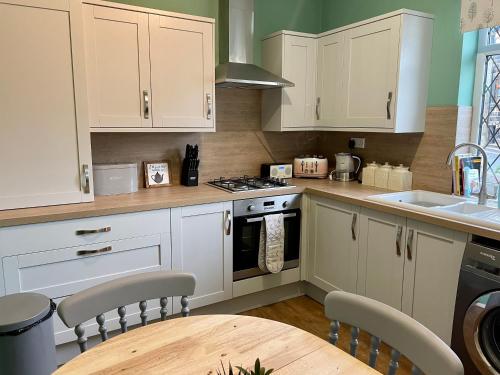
(447, 39)
(295, 15)
(468, 68)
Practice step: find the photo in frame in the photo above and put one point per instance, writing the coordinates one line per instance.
(157, 173)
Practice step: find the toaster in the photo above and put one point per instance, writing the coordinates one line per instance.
(315, 166)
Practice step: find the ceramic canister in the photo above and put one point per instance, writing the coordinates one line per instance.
(382, 176)
(369, 173)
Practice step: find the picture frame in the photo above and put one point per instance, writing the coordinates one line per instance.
(157, 173)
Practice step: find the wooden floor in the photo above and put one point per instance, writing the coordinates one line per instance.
(307, 314)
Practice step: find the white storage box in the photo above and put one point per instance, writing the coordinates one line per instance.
(111, 179)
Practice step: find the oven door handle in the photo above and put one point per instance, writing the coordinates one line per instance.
(257, 219)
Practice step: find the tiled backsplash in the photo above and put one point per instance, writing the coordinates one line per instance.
(240, 147)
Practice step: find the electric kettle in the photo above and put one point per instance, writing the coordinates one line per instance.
(344, 168)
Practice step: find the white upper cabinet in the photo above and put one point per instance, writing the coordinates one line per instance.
(372, 76)
(117, 49)
(44, 139)
(330, 98)
(292, 56)
(182, 73)
(149, 70)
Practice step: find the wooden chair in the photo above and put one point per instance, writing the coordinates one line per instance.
(118, 293)
(428, 353)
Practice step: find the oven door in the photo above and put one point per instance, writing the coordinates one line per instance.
(246, 238)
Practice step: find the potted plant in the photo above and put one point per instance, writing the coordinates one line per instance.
(257, 370)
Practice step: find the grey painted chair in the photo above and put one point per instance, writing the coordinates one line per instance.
(118, 293)
(428, 353)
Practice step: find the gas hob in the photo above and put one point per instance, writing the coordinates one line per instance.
(248, 183)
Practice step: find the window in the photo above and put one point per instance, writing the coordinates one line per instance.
(486, 131)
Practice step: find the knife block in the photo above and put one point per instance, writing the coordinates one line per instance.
(189, 177)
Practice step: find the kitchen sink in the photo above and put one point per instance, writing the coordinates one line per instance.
(466, 208)
(420, 198)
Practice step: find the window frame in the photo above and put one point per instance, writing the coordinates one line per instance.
(483, 50)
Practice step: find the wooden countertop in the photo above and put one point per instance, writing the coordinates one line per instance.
(178, 196)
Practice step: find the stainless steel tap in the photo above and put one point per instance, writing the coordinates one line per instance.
(483, 196)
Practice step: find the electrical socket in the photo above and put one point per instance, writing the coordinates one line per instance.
(358, 142)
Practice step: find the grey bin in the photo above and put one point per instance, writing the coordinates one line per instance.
(27, 345)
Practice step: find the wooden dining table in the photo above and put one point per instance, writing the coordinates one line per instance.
(202, 344)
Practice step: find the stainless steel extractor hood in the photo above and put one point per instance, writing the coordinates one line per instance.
(236, 68)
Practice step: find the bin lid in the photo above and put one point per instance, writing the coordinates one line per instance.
(21, 310)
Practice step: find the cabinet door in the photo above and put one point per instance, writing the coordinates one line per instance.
(182, 73)
(372, 53)
(333, 247)
(330, 101)
(62, 272)
(299, 67)
(117, 51)
(382, 257)
(202, 243)
(432, 267)
(44, 140)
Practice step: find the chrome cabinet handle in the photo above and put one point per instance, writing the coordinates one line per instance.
(228, 223)
(257, 219)
(145, 97)
(82, 232)
(389, 101)
(353, 226)
(398, 240)
(85, 179)
(96, 251)
(409, 245)
(318, 102)
(209, 106)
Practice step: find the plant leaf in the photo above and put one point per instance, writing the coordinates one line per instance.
(257, 366)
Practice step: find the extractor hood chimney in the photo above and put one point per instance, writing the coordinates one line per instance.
(236, 68)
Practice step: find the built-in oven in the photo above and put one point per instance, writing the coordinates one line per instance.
(248, 217)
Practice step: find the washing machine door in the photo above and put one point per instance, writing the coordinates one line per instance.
(482, 333)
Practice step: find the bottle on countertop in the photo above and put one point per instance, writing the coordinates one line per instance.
(382, 176)
(400, 178)
(369, 174)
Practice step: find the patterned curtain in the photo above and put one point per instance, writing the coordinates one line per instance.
(479, 14)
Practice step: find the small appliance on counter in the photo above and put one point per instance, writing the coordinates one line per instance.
(111, 179)
(276, 170)
(190, 164)
(344, 167)
(308, 166)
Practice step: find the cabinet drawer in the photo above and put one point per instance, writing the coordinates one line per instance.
(62, 272)
(62, 234)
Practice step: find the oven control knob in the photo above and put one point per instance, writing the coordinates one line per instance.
(285, 204)
(251, 208)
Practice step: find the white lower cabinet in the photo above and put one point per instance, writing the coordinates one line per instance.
(432, 266)
(409, 265)
(58, 260)
(381, 263)
(333, 245)
(202, 243)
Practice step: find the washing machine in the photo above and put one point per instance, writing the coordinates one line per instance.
(476, 323)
